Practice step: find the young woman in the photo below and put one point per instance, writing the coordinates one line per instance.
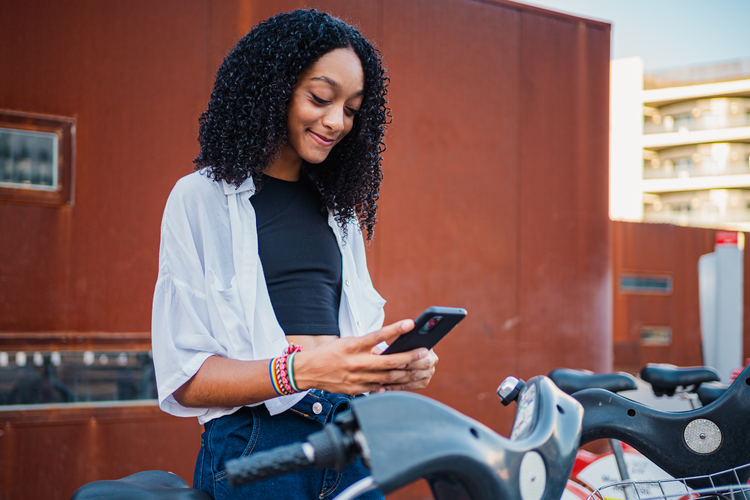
(262, 255)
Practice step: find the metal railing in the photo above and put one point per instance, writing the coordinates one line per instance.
(707, 122)
(703, 169)
(697, 217)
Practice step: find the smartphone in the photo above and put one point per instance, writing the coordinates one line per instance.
(431, 326)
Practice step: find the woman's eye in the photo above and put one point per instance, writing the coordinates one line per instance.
(319, 100)
(351, 111)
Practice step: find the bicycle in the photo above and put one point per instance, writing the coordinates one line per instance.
(707, 448)
(403, 437)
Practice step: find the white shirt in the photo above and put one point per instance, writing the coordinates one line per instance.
(211, 296)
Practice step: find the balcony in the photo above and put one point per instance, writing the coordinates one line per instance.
(691, 124)
(730, 218)
(683, 137)
(704, 169)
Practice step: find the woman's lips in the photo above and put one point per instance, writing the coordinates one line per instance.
(321, 140)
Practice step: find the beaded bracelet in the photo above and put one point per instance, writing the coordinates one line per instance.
(280, 374)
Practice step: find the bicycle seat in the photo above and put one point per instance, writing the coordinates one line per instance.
(146, 485)
(665, 378)
(710, 392)
(571, 381)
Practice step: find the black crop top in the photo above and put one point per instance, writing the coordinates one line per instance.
(300, 257)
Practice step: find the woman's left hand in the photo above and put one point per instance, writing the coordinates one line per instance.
(420, 373)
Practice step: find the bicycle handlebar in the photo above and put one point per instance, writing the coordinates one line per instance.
(327, 448)
(266, 464)
(413, 437)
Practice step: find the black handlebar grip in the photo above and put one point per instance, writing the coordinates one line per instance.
(332, 449)
(266, 464)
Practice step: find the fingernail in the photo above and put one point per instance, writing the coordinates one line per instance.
(382, 389)
(423, 353)
(405, 324)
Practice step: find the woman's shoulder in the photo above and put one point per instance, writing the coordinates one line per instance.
(196, 189)
(197, 183)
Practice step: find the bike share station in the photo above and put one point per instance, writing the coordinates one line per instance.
(402, 437)
(672, 389)
(523, 237)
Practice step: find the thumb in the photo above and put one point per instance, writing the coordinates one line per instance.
(388, 333)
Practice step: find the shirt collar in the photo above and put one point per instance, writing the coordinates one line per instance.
(247, 185)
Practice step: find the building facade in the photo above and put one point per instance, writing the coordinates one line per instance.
(685, 159)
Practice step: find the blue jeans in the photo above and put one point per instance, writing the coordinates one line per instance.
(252, 429)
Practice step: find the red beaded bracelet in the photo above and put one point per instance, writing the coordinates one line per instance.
(280, 374)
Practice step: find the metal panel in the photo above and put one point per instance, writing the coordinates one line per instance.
(133, 76)
(564, 226)
(49, 454)
(449, 214)
(658, 249)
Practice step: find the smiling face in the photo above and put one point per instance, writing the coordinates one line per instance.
(321, 111)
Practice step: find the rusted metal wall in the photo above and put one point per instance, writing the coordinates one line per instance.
(135, 76)
(667, 250)
(494, 199)
(51, 453)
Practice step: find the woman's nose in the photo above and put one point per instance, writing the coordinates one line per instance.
(334, 119)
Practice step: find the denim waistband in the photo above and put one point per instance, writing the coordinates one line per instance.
(322, 406)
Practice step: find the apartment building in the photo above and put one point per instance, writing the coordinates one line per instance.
(680, 145)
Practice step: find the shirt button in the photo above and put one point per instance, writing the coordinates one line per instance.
(340, 238)
(347, 282)
(317, 408)
(359, 324)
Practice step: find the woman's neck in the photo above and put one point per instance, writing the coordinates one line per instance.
(286, 166)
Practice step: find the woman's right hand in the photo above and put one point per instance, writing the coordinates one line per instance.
(352, 365)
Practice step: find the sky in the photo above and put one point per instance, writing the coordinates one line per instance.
(669, 34)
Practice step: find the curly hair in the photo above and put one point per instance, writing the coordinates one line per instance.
(243, 128)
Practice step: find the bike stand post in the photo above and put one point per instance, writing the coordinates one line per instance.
(622, 468)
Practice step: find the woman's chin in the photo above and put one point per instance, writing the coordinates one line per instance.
(315, 159)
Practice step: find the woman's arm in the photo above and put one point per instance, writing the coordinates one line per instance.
(350, 366)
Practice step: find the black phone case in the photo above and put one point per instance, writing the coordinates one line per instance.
(414, 338)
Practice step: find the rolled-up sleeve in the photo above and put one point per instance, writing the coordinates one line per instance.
(180, 323)
(180, 339)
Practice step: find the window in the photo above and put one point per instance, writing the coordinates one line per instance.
(28, 159)
(36, 158)
(105, 377)
(656, 335)
(630, 283)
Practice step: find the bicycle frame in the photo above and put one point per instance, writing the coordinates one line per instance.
(697, 442)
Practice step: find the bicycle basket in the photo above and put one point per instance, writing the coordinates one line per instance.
(726, 484)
